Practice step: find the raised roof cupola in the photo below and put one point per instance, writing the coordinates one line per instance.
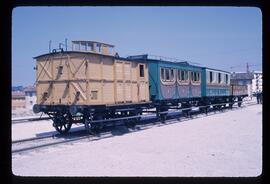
(94, 47)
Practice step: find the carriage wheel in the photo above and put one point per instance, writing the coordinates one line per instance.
(163, 117)
(62, 124)
(239, 104)
(89, 127)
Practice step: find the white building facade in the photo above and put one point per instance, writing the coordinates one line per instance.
(257, 82)
(30, 97)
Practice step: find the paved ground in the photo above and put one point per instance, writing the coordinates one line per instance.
(226, 144)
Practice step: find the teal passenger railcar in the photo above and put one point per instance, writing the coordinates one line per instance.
(215, 83)
(172, 79)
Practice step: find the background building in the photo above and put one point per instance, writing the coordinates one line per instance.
(18, 100)
(243, 78)
(257, 82)
(30, 97)
(253, 80)
(23, 97)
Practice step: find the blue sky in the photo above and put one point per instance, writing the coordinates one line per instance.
(217, 37)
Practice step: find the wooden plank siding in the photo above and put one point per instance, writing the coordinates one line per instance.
(89, 79)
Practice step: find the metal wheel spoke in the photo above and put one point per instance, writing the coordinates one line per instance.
(63, 123)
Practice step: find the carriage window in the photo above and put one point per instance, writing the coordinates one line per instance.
(186, 75)
(167, 74)
(76, 46)
(141, 71)
(226, 78)
(172, 75)
(192, 76)
(89, 46)
(219, 77)
(162, 74)
(83, 46)
(196, 76)
(110, 49)
(182, 75)
(211, 77)
(98, 47)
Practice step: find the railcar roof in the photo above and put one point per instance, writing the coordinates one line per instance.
(68, 52)
(82, 52)
(162, 59)
(216, 69)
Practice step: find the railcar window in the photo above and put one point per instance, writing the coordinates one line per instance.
(98, 48)
(141, 70)
(172, 75)
(83, 46)
(197, 77)
(183, 77)
(89, 46)
(110, 50)
(167, 74)
(77, 46)
(211, 77)
(162, 74)
(226, 78)
(186, 76)
(219, 77)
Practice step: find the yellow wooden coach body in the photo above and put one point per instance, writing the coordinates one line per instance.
(90, 75)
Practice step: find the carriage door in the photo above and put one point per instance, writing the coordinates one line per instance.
(190, 84)
(142, 84)
(43, 75)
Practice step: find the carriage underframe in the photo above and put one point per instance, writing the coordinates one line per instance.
(95, 117)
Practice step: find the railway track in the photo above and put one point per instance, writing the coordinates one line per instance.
(34, 143)
(24, 120)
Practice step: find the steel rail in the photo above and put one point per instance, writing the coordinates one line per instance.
(33, 138)
(48, 144)
(14, 121)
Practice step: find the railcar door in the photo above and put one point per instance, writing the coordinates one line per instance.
(44, 79)
(119, 78)
(77, 84)
(142, 85)
(123, 84)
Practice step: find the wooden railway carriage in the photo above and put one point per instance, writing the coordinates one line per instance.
(89, 80)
